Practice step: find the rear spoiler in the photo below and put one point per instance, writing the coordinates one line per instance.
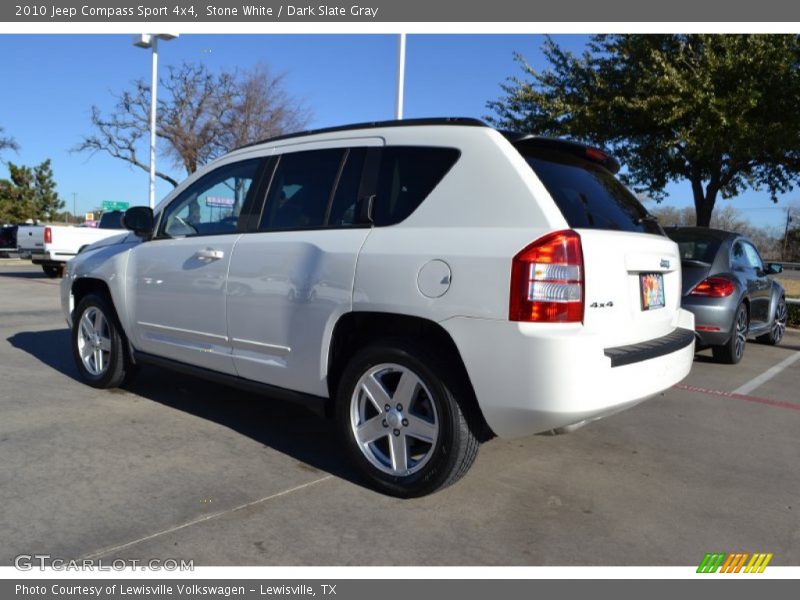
(521, 141)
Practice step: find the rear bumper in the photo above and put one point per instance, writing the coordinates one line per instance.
(50, 257)
(714, 317)
(532, 378)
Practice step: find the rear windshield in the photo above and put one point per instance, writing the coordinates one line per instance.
(588, 195)
(111, 220)
(695, 246)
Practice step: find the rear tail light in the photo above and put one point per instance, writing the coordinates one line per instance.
(547, 280)
(715, 287)
(48, 235)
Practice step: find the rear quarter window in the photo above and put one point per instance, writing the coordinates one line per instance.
(588, 195)
(407, 175)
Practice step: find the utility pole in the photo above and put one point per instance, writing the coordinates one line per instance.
(786, 232)
(74, 205)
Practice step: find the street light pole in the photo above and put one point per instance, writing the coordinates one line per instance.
(147, 40)
(153, 105)
(401, 74)
(74, 206)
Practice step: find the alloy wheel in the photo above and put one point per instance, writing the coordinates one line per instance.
(393, 419)
(741, 333)
(94, 341)
(779, 325)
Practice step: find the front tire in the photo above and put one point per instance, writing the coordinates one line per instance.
(98, 343)
(732, 352)
(778, 328)
(398, 413)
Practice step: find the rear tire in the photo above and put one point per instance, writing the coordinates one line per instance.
(398, 413)
(53, 271)
(778, 326)
(98, 344)
(732, 351)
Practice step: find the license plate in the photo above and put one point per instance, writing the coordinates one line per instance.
(651, 286)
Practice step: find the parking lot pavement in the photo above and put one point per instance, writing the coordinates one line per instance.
(177, 468)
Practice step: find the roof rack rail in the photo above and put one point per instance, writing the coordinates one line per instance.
(464, 121)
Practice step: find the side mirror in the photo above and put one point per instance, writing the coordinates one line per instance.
(139, 219)
(774, 268)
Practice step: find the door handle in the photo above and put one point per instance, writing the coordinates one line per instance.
(209, 254)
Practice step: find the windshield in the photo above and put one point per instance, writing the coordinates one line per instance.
(588, 195)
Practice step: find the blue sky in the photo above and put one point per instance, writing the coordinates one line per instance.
(51, 82)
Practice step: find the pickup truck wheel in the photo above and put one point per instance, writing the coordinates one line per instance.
(53, 271)
(97, 343)
(399, 415)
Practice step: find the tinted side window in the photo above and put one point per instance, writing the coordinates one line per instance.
(211, 205)
(738, 258)
(588, 195)
(407, 175)
(344, 208)
(753, 259)
(301, 190)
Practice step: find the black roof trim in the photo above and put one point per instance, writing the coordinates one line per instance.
(515, 137)
(524, 139)
(463, 121)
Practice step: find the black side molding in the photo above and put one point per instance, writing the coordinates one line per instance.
(633, 353)
(316, 404)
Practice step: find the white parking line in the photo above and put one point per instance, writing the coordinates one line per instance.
(767, 375)
(203, 519)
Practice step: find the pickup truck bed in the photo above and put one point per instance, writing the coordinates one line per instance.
(51, 246)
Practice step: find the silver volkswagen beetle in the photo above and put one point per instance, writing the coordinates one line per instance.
(730, 291)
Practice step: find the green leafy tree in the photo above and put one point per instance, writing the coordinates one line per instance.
(29, 193)
(718, 111)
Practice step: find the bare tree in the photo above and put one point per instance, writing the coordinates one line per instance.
(7, 143)
(729, 218)
(201, 115)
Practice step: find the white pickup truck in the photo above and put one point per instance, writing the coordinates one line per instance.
(51, 246)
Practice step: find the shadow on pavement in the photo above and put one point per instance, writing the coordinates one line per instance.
(50, 347)
(704, 358)
(788, 347)
(39, 274)
(288, 428)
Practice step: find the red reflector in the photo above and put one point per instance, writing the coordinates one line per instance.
(714, 287)
(48, 235)
(547, 280)
(705, 328)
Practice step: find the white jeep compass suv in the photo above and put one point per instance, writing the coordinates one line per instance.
(429, 283)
